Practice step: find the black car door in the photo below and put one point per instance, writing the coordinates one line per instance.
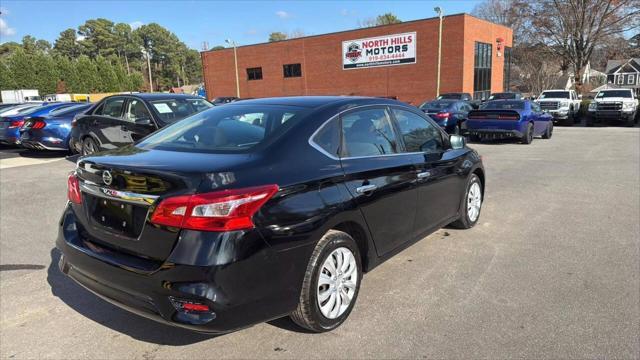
(378, 175)
(138, 121)
(439, 187)
(105, 122)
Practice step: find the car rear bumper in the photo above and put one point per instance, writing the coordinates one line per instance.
(37, 145)
(612, 115)
(245, 286)
(495, 133)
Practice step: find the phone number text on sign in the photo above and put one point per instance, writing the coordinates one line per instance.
(397, 49)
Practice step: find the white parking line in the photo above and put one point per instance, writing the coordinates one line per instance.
(24, 161)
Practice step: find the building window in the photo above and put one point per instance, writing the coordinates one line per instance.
(254, 73)
(630, 79)
(620, 79)
(482, 71)
(292, 70)
(506, 72)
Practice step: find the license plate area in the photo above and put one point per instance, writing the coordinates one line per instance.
(116, 216)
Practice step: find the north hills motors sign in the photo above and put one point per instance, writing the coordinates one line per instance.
(397, 49)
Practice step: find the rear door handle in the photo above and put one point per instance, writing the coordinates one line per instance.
(366, 188)
(424, 174)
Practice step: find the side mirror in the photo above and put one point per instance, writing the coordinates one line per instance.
(457, 142)
(143, 121)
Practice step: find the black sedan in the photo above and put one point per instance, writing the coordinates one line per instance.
(263, 208)
(123, 119)
(449, 114)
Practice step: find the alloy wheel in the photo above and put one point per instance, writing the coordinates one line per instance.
(474, 201)
(337, 282)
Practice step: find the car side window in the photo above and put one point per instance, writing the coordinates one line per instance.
(535, 107)
(328, 137)
(368, 133)
(418, 134)
(111, 108)
(136, 110)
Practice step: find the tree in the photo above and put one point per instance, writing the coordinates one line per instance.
(515, 14)
(387, 18)
(21, 67)
(218, 47)
(45, 73)
(537, 68)
(277, 36)
(574, 28)
(384, 19)
(87, 75)
(6, 77)
(99, 37)
(67, 44)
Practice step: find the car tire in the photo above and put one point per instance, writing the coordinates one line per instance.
(527, 137)
(473, 195)
(310, 313)
(570, 118)
(549, 132)
(89, 146)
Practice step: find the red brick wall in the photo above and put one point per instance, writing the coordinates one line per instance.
(321, 59)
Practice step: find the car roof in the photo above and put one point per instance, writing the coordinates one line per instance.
(444, 100)
(313, 101)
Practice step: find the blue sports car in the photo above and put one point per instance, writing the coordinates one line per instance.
(10, 125)
(521, 119)
(51, 132)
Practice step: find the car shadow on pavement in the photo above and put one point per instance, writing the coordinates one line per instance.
(104, 313)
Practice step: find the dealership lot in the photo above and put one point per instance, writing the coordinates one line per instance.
(551, 270)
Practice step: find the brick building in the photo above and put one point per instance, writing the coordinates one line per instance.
(398, 60)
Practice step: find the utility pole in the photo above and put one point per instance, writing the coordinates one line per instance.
(438, 10)
(147, 54)
(235, 60)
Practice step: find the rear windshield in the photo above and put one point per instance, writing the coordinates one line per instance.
(614, 93)
(171, 110)
(438, 105)
(503, 105)
(450, 96)
(502, 96)
(236, 128)
(69, 109)
(555, 95)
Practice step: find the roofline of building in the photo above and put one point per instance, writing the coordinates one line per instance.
(346, 31)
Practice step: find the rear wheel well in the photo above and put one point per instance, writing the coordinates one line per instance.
(358, 234)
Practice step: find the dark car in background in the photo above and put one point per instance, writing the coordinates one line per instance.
(10, 125)
(51, 132)
(263, 208)
(223, 100)
(123, 119)
(449, 114)
(501, 119)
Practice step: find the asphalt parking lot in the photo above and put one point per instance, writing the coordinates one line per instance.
(551, 271)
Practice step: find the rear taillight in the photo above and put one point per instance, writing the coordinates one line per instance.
(442, 115)
(73, 189)
(508, 117)
(16, 124)
(39, 125)
(225, 210)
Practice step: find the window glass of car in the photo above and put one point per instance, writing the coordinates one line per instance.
(435, 105)
(368, 133)
(503, 105)
(111, 107)
(555, 95)
(136, 110)
(614, 93)
(418, 134)
(171, 110)
(69, 109)
(328, 137)
(225, 129)
(535, 107)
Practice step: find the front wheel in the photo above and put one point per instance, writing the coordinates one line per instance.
(471, 204)
(331, 283)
